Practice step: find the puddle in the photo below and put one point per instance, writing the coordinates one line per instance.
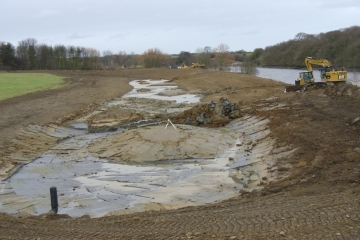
(154, 89)
(79, 125)
(98, 187)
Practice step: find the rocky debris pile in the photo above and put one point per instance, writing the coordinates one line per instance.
(225, 90)
(348, 90)
(210, 114)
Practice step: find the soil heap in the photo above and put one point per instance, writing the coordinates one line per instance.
(210, 114)
(157, 143)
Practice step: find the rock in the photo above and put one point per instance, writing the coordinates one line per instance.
(254, 178)
(212, 104)
(282, 233)
(356, 120)
(246, 173)
(188, 121)
(357, 150)
(200, 119)
(235, 114)
(240, 178)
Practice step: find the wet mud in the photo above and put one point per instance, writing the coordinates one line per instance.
(121, 158)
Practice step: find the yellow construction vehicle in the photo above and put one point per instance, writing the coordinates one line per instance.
(327, 73)
(197, 65)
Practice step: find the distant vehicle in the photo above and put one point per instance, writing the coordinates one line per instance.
(197, 65)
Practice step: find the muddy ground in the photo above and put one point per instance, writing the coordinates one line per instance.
(316, 195)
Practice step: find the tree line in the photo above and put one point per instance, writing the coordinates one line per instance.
(30, 55)
(341, 47)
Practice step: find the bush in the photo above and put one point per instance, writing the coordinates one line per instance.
(249, 68)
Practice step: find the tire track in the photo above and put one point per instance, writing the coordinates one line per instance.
(333, 216)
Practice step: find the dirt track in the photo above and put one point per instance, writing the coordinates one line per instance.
(319, 198)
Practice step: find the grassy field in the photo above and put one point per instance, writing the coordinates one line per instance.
(16, 84)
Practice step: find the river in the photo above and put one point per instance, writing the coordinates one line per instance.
(290, 75)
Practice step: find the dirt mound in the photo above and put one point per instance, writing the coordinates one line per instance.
(157, 143)
(210, 114)
(349, 90)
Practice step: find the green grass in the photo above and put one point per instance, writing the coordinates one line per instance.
(16, 84)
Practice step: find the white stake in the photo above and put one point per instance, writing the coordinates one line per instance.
(170, 123)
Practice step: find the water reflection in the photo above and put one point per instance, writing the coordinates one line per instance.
(290, 75)
(155, 89)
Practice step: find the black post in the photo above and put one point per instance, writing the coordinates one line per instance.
(54, 200)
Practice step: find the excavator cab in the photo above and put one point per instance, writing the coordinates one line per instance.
(325, 70)
(304, 78)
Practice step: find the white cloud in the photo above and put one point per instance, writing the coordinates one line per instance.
(77, 36)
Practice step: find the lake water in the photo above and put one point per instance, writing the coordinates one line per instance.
(290, 75)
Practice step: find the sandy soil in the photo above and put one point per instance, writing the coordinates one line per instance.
(317, 197)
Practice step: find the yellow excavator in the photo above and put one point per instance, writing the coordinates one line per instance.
(197, 65)
(327, 73)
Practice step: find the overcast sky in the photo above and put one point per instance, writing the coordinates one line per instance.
(169, 25)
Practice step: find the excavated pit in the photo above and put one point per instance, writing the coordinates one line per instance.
(140, 165)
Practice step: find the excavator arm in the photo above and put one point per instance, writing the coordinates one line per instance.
(312, 61)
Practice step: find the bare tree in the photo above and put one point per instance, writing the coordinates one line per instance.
(22, 54)
(26, 52)
(108, 59)
(134, 60)
(154, 58)
(94, 58)
(203, 56)
(44, 56)
(32, 51)
(60, 54)
(122, 57)
(223, 57)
